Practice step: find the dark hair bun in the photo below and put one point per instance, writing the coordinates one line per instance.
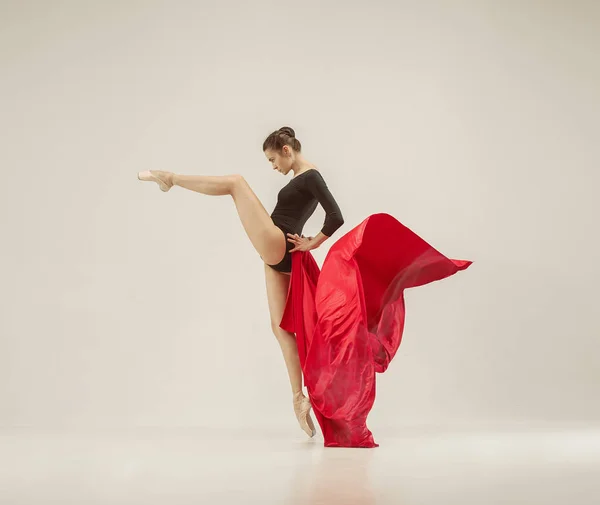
(285, 136)
(287, 131)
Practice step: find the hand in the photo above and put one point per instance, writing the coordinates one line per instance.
(301, 243)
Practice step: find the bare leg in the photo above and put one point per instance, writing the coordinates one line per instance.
(277, 288)
(266, 238)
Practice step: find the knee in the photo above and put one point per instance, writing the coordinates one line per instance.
(275, 328)
(280, 334)
(237, 179)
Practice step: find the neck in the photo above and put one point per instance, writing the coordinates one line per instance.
(300, 165)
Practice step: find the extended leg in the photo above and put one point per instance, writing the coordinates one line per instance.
(266, 238)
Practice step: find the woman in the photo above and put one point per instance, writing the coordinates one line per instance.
(295, 204)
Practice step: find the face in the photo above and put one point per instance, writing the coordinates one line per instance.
(282, 162)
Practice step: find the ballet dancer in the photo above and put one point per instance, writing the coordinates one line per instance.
(274, 236)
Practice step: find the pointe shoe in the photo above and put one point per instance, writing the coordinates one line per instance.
(164, 183)
(302, 408)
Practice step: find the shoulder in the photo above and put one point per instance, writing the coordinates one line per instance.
(312, 179)
(313, 175)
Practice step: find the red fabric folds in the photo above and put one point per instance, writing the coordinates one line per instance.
(348, 318)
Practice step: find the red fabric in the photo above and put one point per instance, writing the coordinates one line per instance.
(348, 318)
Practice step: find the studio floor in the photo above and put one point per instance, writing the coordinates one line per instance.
(424, 467)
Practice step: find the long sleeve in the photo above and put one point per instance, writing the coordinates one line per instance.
(315, 184)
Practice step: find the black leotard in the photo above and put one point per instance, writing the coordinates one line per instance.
(296, 202)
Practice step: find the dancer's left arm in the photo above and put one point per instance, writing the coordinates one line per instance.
(315, 184)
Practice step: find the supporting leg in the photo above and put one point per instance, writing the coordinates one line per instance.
(277, 288)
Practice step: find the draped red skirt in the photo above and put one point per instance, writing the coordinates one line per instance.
(348, 318)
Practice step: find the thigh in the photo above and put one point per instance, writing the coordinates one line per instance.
(267, 239)
(277, 290)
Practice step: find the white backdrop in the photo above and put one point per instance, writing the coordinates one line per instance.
(473, 123)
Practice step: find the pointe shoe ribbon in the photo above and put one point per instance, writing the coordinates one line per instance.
(152, 176)
(302, 408)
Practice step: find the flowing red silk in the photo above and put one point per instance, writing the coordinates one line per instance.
(348, 318)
